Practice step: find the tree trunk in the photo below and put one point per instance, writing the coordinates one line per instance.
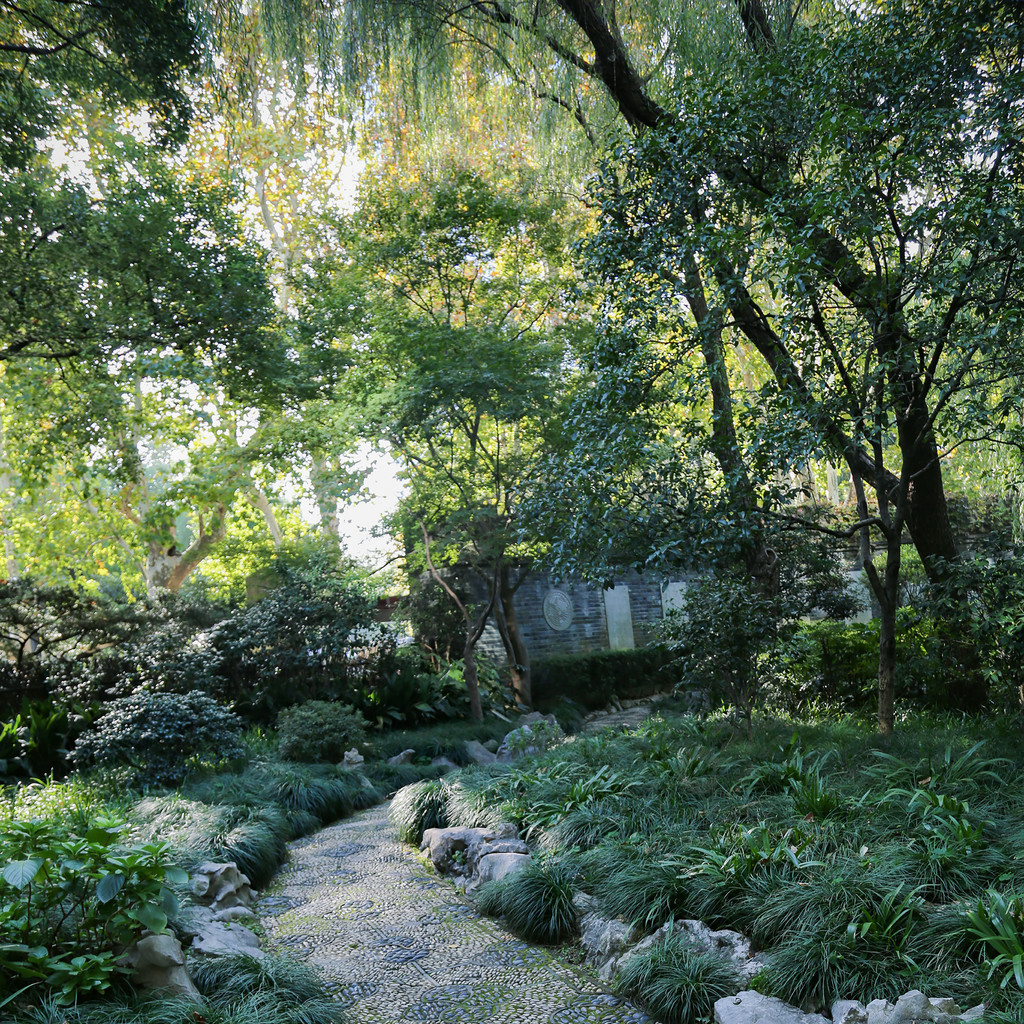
(889, 600)
(262, 503)
(471, 678)
(932, 532)
(473, 630)
(927, 511)
(167, 568)
(516, 651)
(761, 561)
(325, 491)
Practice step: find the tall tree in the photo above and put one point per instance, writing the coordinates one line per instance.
(132, 53)
(111, 303)
(455, 361)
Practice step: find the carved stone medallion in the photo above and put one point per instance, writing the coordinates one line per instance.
(558, 610)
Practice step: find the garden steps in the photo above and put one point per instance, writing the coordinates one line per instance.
(397, 943)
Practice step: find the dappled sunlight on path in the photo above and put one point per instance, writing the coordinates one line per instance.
(397, 943)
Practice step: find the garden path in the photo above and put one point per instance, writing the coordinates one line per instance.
(397, 943)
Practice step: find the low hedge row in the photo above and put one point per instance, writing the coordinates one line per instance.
(592, 680)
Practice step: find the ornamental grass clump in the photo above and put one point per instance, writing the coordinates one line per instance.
(419, 807)
(236, 990)
(677, 981)
(537, 902)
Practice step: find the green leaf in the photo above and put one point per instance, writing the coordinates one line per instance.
(151, 917)
(109, 886)
(103, 835)
(175, 875)
(21, 873)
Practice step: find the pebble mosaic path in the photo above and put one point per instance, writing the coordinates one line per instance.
(397, 943)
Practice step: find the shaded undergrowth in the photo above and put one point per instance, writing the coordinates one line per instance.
(858, 870)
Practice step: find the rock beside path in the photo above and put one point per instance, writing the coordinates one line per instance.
(754, 1008)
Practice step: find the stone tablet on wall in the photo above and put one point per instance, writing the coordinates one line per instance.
(620, 619)
(558, 610)
(672, 595)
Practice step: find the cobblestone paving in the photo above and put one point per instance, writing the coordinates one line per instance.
(397, 943)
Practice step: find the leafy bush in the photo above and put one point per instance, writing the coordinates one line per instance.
(723, 638)
(593, 679)
(984, 600)
(159, 736)
(836, 663)
(64, 893)
(678, 982)
(319, 730)
(537, 902)
(442, 740)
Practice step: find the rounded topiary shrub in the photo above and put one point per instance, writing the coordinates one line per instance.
(160, 736)
(319, 730)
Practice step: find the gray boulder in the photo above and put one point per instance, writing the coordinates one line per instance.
(495, 866)
(405, 757)
(754, 1008)
(219, 939)
(849, 1011)
(220, 886)
(604, 941)
(534, 734)
(478, 753)
(457, 851)
(158, 962)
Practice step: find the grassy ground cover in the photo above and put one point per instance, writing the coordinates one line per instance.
(860, 870)
(58, 940)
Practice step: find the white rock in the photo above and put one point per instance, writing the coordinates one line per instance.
(478, 753)
(849, 1011)
(945, 1005)
(496, 866)
(193, 918)
(228, 940)
(445, 845)
(973, 1013)
(159, 963)
(352, 759)
(405, 757)
(604, 940)
(755, 1008)
(734, 944)
(526, 738)
(230, 915)
(879, 1011)
(911, 1007)
(221, 885)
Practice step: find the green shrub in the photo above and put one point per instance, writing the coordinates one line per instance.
(231, 976)
(678, 982)
(537, 902)
(591, 680)
(724, 637)
(319, 730)
(441, 740)
(70, 903)
(159, 736)
(836, 664)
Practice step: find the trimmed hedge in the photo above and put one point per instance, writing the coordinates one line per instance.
(593, 679)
